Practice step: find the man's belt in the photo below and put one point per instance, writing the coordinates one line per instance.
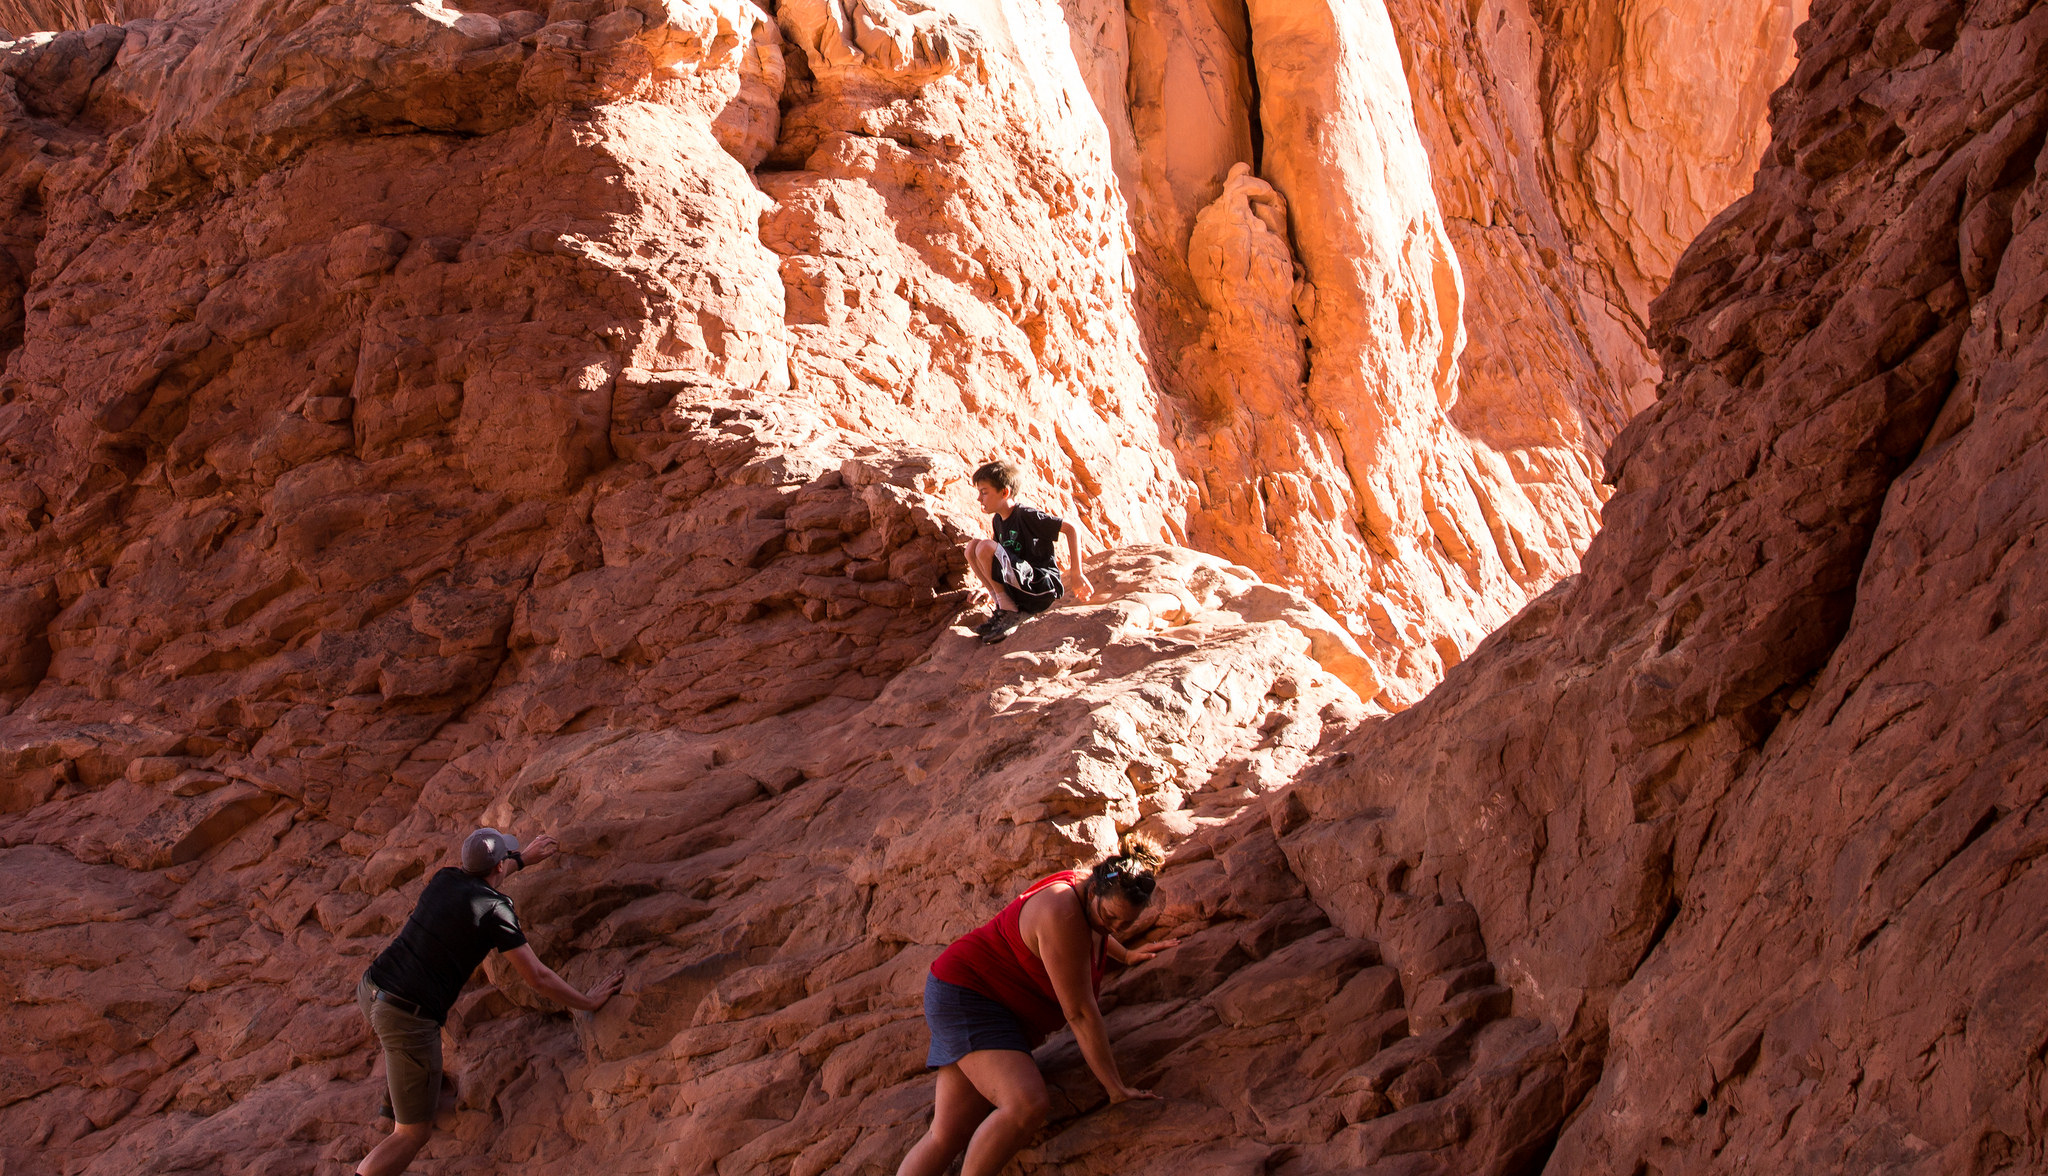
(397, 1002)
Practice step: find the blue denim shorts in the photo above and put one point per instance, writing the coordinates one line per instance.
(963, 1021)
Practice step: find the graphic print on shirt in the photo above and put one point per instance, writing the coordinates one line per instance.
(1029, 535)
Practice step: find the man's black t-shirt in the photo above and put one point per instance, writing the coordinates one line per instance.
(457, 922)
(1030, 535)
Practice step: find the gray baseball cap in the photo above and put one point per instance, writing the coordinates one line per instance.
(485, 848)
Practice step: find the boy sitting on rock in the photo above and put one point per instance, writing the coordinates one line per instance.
(1018, 565)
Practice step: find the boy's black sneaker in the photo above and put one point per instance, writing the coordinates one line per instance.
(997, 619)
(1000, 626)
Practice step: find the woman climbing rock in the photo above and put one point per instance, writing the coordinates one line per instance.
(1003, 987)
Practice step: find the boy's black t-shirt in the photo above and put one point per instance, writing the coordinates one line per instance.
(1030, 535)
(457, 922)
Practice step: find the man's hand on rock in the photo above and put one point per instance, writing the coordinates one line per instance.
(605, 988)
(543, 847)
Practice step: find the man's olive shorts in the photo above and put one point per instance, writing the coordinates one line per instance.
(412, 1055)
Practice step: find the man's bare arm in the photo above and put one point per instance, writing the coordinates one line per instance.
(1064, 945)
(540, 849)
(545, 982)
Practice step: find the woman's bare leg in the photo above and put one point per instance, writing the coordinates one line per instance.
(1009, 1078)
(956, 1111)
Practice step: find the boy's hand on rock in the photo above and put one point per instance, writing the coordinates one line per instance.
(1082, 588)
(1129, 1093)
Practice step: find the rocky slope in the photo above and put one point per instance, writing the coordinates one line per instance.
(417, 417)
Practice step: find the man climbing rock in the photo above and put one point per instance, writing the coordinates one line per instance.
(405, 995)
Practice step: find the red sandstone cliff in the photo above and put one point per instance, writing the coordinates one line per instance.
(416, 417)
(1747, 812)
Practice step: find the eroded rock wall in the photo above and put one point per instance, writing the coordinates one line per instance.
(414, 413)
(19, 17)
(1575, 151)
(1395, 346)
(1746, 811)
(1318, 389)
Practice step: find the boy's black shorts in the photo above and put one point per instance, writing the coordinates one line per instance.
(1033, 588)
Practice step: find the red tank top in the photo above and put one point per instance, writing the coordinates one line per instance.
(993, 960)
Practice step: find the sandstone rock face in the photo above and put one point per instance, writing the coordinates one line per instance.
(774, 897)
(1377, 303)
(1406, 424)
(416, 417)
(1746, 810)
(1575, 151)
(1418, 498)
(19, 17)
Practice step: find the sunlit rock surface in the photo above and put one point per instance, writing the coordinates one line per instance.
(1408, 424)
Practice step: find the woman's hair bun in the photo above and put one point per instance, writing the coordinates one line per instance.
(1132, 871)
(1141, 850)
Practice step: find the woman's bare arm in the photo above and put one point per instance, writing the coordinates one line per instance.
(1063, 942)
(1137, 955)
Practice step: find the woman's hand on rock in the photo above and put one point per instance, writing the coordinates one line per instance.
(1138, 955)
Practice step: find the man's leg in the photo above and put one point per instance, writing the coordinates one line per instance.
(412, 1065)
(981, 556)
(956, 1112)
(1009, 1078)
(392, 1156)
